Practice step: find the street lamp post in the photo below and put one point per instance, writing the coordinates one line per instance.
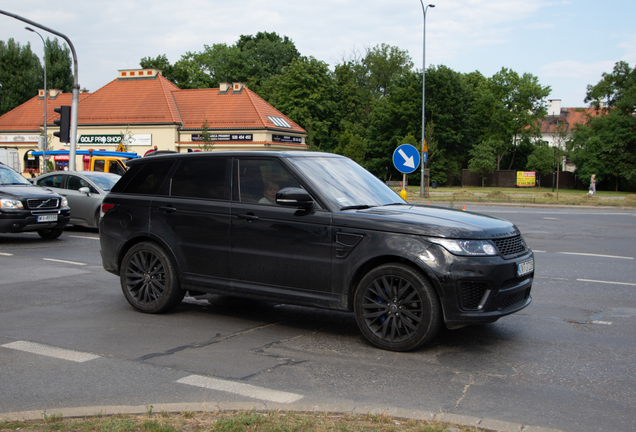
(46, 137)
(424, 9)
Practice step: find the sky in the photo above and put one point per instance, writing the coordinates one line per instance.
(566, 44)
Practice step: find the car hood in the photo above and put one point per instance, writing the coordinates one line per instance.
(428, 221)
(26, 191)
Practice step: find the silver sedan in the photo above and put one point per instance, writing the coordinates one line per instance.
(84, 191)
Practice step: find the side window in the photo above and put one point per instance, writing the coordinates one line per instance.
(74, 183)
(51, 181)
(115, 167)
(201, 178)
(98, 165)
(146, 179)
(260, 179)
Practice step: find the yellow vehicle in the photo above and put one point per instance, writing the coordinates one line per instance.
(109, 164)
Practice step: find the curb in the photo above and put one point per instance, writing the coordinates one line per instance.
(490, 425)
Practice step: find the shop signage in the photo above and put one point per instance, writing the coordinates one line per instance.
(18, 138)
(526, 178)
(115, 140)
(223, 137)
(287, 139)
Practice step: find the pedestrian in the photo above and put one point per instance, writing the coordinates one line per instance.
(593, 185)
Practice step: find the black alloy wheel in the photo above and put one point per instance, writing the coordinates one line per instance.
(397, 308)
(149, 280)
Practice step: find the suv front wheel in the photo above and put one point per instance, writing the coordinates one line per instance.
(149, 279)
(397, 308)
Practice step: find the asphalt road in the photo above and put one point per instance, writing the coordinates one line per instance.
(69, 339)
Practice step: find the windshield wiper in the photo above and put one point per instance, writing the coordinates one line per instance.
(357, 207)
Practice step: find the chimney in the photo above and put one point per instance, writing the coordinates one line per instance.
(554, 107)
(224, 87)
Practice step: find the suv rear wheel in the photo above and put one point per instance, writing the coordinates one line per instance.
(397, 308)
(149, 279)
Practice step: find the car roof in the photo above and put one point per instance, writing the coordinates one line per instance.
(242, 153)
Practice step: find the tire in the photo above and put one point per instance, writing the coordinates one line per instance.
(397, 308)
(149, 279)
(50, 233)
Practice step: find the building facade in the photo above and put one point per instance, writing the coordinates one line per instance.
(144, 111)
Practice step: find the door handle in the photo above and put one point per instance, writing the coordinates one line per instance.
(248, 217)
(167, 209)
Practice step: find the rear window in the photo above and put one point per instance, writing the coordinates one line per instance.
(144, 179)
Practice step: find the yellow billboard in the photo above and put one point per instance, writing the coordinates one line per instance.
(526, 178)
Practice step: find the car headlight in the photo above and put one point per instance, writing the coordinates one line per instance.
(64, 202)
(6, 203)
(466, 247)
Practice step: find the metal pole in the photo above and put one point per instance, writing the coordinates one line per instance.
(46, 139)
(424, 9)
(74, 103)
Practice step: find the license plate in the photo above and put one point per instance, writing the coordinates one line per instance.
(525, 267)
(47, 218)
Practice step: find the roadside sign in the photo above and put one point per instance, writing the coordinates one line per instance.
(424, 157)
(406, 158)
(121, 148)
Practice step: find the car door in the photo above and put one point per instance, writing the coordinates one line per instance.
(84, 207)
(193, 217)
(277, 250)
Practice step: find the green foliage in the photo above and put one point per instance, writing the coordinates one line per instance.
(541, 159)
(384, 63)
(207, 145)
(59, 66)
(484, 157)
(607, 145)
(21, 75)
(305, 91)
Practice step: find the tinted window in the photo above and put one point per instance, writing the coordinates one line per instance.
(260, 179)
(201, 178)
(98, 165)
(51, 181)
(146, 179)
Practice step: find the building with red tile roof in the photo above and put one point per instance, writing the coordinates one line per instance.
(144, 106)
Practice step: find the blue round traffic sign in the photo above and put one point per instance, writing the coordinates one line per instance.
(406, 158)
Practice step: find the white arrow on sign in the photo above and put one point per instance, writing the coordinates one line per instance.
(408, 161)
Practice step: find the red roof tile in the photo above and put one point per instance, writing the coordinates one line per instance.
(29, 115)
(572, 116)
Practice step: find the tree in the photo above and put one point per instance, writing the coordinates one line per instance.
(305, 91)
(207, 145)
(541, 159)
(483, 158)
(606, 146)
(21, 75)
(508, 107)
(59, 66)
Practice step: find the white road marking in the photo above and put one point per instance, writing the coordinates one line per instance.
(607, 282)
(241, 389)
(5, 254)
(602, 322)
(84, 237)
(49, 351)
(596, 255)
(63, 261)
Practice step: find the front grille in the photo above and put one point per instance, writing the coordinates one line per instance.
(513, 282)
(515, 298)
(471, 294)
(511, 245)
(39, 204)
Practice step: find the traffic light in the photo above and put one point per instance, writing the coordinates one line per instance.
(64, 122)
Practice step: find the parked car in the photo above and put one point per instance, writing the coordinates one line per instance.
(25, 207)
(336, 237)
(84, 191)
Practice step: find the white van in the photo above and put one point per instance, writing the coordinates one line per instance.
(11, 157)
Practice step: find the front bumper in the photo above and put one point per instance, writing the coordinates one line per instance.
(25, 220)
(479, 290)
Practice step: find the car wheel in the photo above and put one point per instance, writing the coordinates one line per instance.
(96, 218)
(51, 233)
(397, 308)
(149, 279)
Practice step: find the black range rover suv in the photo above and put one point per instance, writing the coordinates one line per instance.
(25, 207)
(312, 229)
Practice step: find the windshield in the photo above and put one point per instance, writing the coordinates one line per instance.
(346, 183)
(105, 181)
(10, 177)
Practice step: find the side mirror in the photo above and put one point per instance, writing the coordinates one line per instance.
(85, 190)
(294, 197)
